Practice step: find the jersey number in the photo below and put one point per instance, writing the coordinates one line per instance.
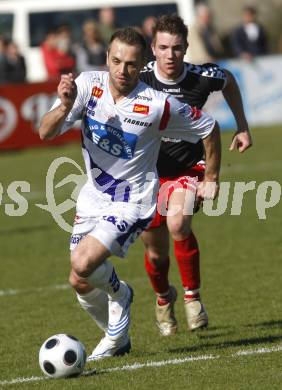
(120, 224)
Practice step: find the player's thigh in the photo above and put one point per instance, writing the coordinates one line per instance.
(156, 241)
(180, 211)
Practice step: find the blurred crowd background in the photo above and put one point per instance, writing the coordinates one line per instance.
(214, 35)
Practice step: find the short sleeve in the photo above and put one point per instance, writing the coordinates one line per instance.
(181, 121)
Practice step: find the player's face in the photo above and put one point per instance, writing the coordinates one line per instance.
(125, 63)
(169, 51)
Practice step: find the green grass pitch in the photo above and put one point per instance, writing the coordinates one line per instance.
(241, 287)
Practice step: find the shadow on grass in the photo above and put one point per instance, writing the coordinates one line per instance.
(267, 324)
(229, 344)
(211, 332)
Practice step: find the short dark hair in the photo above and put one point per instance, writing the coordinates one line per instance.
(172, 24)
(130, 36)
(249, 8)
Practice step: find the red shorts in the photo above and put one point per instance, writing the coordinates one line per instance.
(187, 181)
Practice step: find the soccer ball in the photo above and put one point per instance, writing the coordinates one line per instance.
(62, 356)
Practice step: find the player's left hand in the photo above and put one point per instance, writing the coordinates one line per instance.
(241, 141)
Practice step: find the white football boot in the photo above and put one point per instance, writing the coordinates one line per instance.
(116, 341)
(196, 314)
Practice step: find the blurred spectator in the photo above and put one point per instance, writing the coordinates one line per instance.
(107, 23)
(204, 42)
(3, 44)
(147, 30)
(57, 52)
(50, 54)
(14, 64)
(91, 53)
(249, 38)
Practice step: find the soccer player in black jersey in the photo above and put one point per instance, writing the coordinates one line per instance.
(183, 162)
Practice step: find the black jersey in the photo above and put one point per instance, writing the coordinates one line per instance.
(193, 86)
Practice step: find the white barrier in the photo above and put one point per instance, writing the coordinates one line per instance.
(260, 83)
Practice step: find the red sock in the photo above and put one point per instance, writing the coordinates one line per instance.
(158, 275)
(188, 259)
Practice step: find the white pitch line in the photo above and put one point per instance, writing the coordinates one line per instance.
(11, 292)
(22, 380)
(151, 364)
(257, 351)
(161, 363)
(4, 293)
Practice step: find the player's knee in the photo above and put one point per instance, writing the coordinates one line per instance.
(179, 227)
(81, 263)
(156, 256)
(78, 284)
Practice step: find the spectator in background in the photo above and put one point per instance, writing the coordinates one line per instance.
(14, 64)
(57, 52)
(204, 42)
(3, 44)
(91, 53)
(249, 38)
(147, 30)
(107, 23)
(49, 53)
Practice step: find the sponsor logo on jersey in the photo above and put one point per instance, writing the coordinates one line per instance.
(142, 97)
(141, 109)
(174, 140)
(111, 140)
(97, 92)
(171, 90)
(137, 123)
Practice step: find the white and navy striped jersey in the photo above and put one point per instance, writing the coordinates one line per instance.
(121, 140)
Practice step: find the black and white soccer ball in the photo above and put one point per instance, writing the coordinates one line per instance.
(62, 356)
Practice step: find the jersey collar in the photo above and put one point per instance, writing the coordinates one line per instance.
(170, 82)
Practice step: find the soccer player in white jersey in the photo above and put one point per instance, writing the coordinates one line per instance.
(123, 120)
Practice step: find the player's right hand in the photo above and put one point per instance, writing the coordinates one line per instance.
(67, 90)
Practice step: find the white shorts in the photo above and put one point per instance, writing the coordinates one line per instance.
(115, 224)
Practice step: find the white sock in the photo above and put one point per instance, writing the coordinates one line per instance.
(96, 304)
(191, 294)
(106, 279)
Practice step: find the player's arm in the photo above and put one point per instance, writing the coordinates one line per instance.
(53, 121)
(242, 139)
(209, 187)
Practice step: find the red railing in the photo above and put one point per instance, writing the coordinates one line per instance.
(21, 108)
